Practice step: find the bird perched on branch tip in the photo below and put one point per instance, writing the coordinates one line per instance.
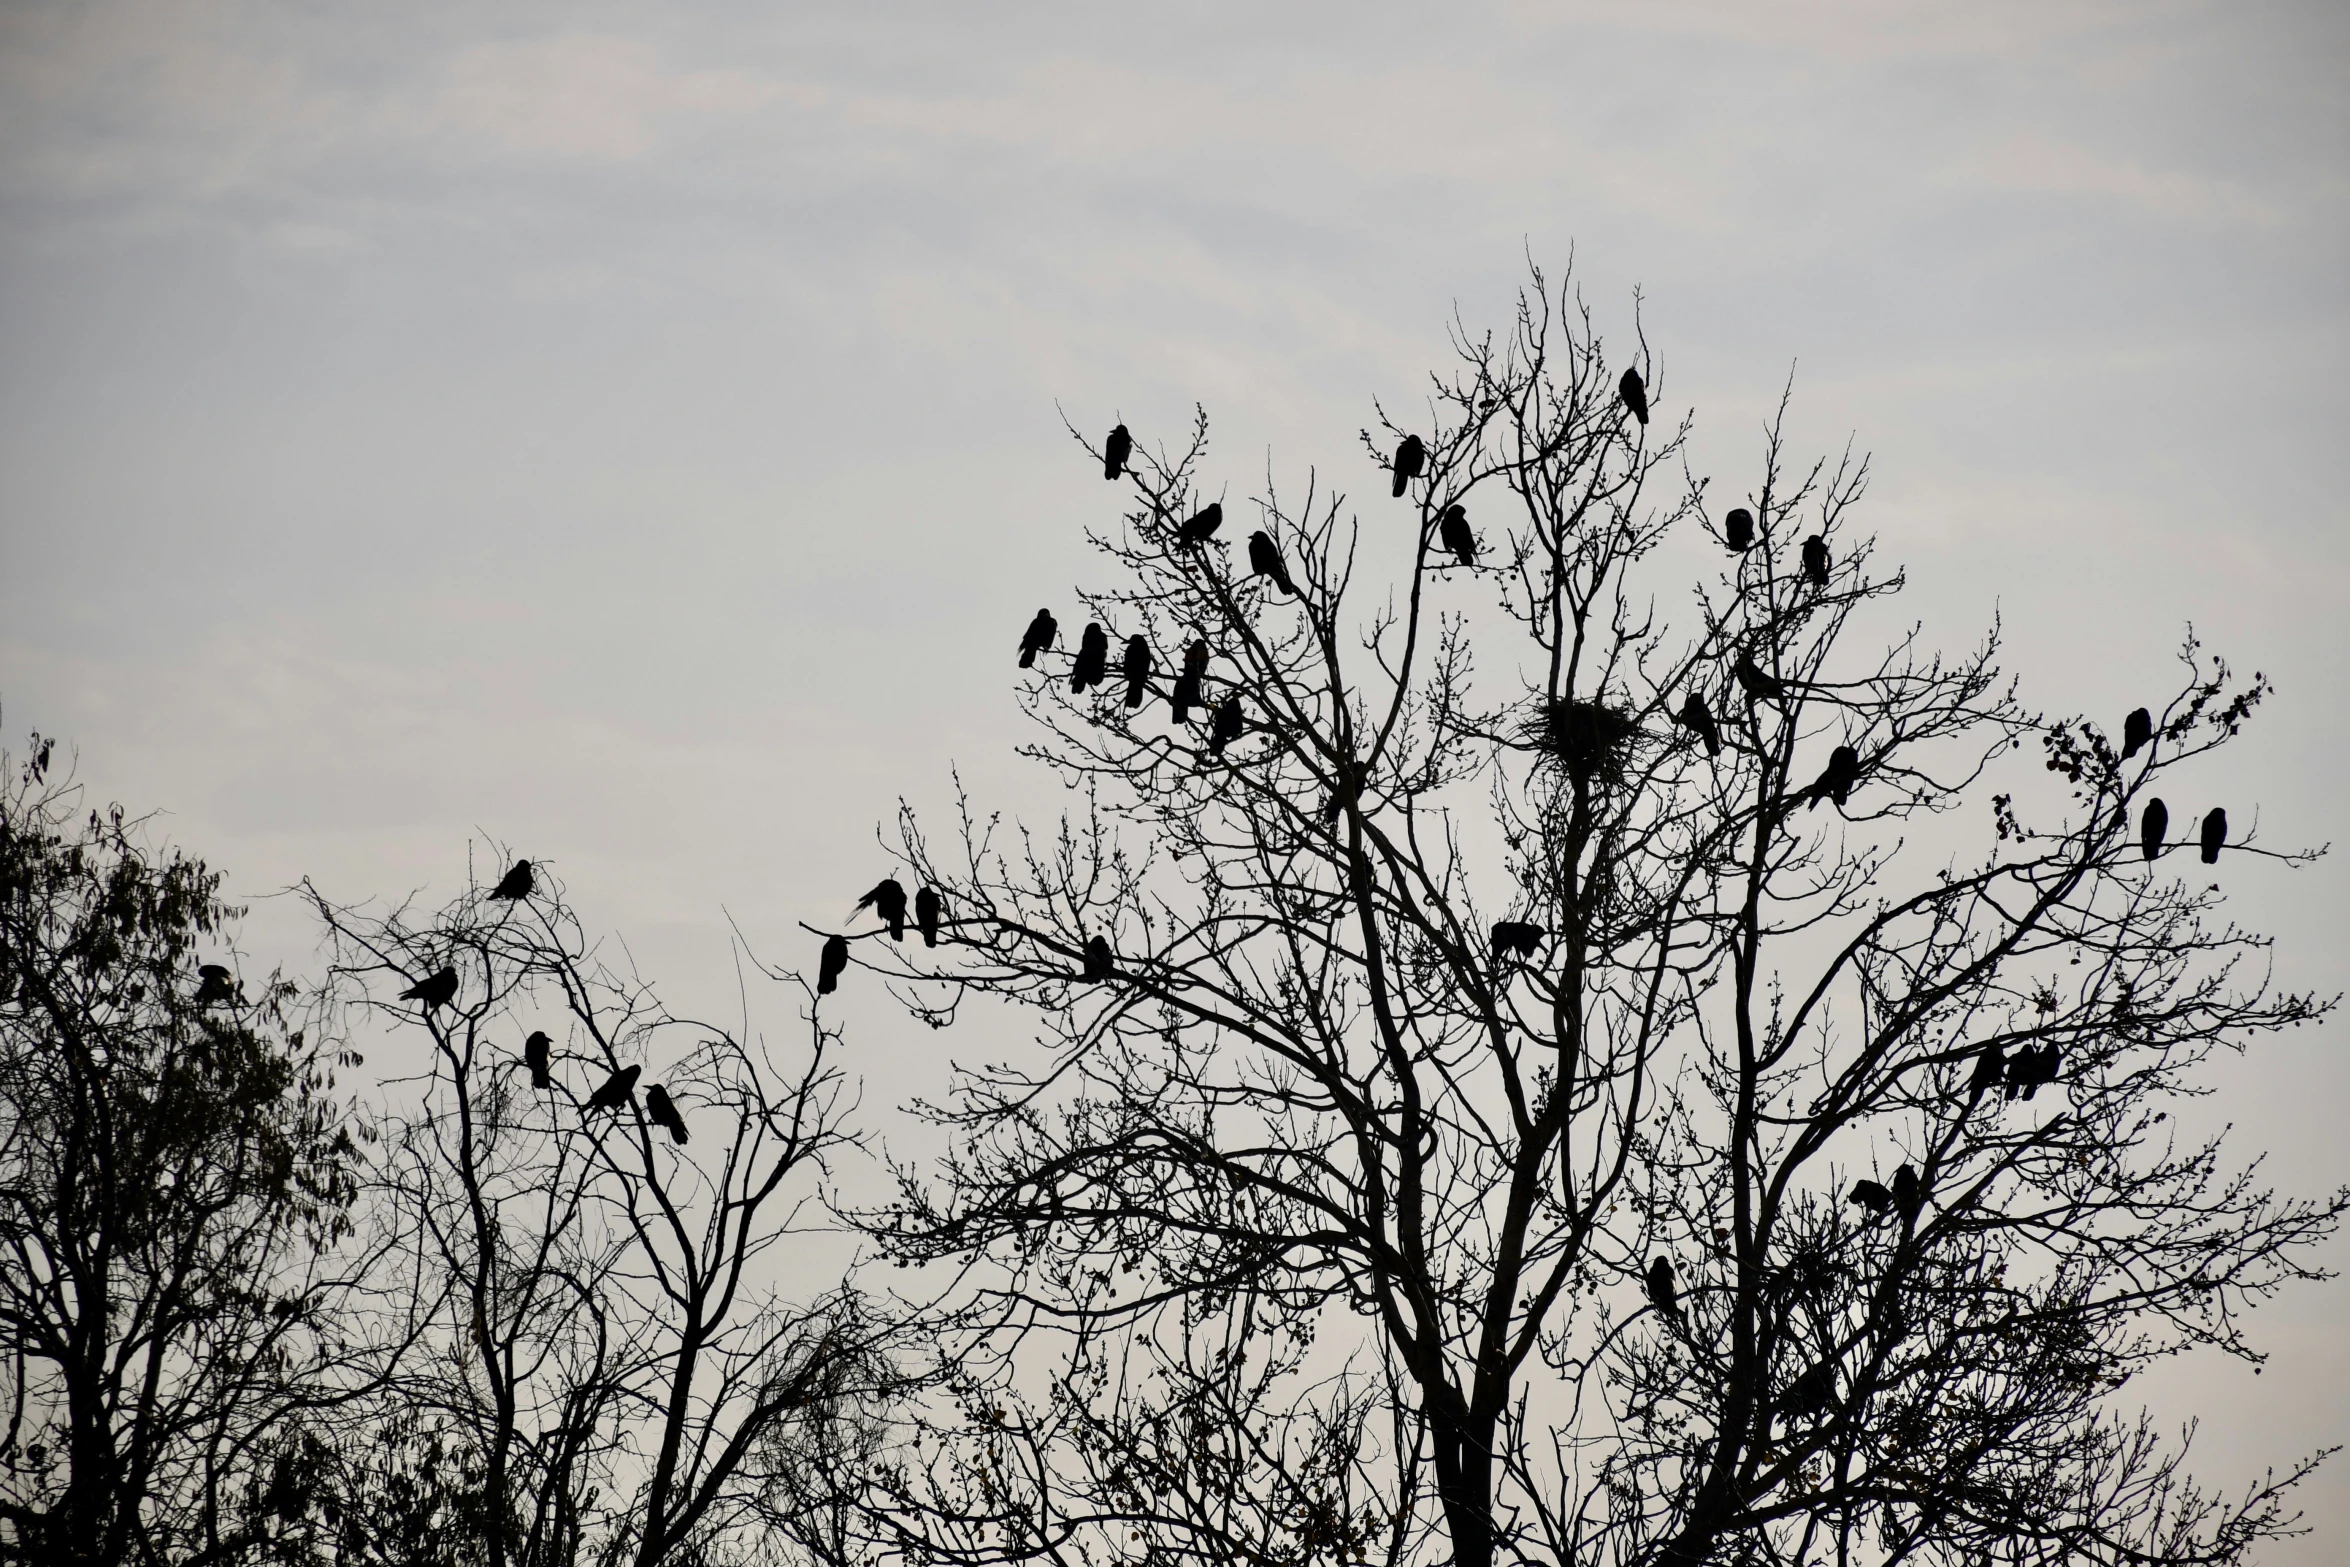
(889, 901)
(516, 883)
(832, 964)
(1738, 529)
(928, 908)
(616, 1089)
(1410, 458)
(436, 990)
(1038, 637)
(1452, 531)
(538, 1055)
(2137, 732)
(1634, 392)
(663, 1113)
(1264, 556)
(1093, 658)
(1137, 669)
(1115, 451)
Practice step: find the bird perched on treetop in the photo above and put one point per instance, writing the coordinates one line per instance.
(1410, 458)
(215, 983)
(2137, 732)
(1038, 637)
(538, 1055)
(2215, 834)
(1115, 451)
(1759, 685)
(1137, 668)
(1661, 1294)
(1738, 529)
(1696, 716)
(2153, 827)
(1872, 1196)
(616, 1089)
(663, 1113)
(1202, 526)
(1265, 556)
(1815, 561)
(889, 901)
(516, 883)
(436, 990)
(1187, 685)
(1634, 392)
(1098, 966)
(1452, 530)
(1908, 1196)
(833, 964)
(1518, 936)
(1836, 780)
(1229, 723)
(1093, 657)
(928, 907)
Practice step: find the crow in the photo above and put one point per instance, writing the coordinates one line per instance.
(1038, 637)
(2215, 834)
(1115, 451)
(1187, 685)
(927, 909)
(2137, 732)
(214, 983)
(1137, 668)
(1093, 658)
(1738, 529)
(2043, 1069)
(2021, 1068)
(1202, 527)
(1228, 725)
(832, 964)
(1660, 1287)
(1815, 561)
(1516, 936)
(537, 1055)
(1354, 775)
(437, 991)
(1635, 395)
(616, 1089)
(1872, 1196)
(516, 883)
(1410, 458)
(2152, 827)
(1097, 959)
(1699, 718)
(1759, 684)
(664, 1113)
(1908, 1196)
(1452, 530)
(1810, 1393)
(1265, 556)
(889, 901)
(1990, 1067)
(1836, 780)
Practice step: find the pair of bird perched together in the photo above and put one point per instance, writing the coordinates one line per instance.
(2154, 822)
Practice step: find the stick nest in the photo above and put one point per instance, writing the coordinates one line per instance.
(1591, 740)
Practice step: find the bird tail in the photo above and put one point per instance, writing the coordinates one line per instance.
(1400, 481)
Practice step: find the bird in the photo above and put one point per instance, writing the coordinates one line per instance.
(2137, 732)
(1093, 657)
(436, 991)
(2021, 1070)
(516, 883)
(536, 1054)
(832, 964)
(1872, 1196)
(1635, 395)
(1452, 530)
(2215, 833)
(1410, 458)
(616, 1089)
(1699, 718)
(1038, 637)
(214, 983)
(1202, 526)
(1815, 561)
(1097, 959)
(1759, 684)
(1908, 1196)
(2153, 826)
(1811, 1392)
(2043, 1069)
(1229, 723)
(928, 907)
(889, 901)
(1115, 451)
(1837, 778)
(1517, 936)
(1265, 557)
(1187, 685)
(1137, 668)
(1990, 1066)
(1660, 1287)
(1353, 776)
(664, 1113)
(1738, 529)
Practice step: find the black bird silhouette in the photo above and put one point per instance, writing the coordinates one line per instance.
(1265, 556)
(537, 1054)
(1187, 685)
(1908, 1196)
(1815, 561)
(1137, 668)
(1634, 392)
(2215, 834)
(1098, 966)
(516, 883)
(833, 964)
(1836, 780)
(1038, 636)
(1990, 1067)
(1202, 526)
(1759, 684)
(2153, 827)
(1410, 458)
(2021, 1070)
(1452, 531)
(2137, 732)
(1229, 723)
(215, 983)
(927, 909)
(1353, 776)
(1872, 1196)
(1516, 936)
(1093, 657)
(437, 990)
(1115, 451)
(1738, 529)
(889, 901)
(1696, 716)
(1810, 1393)
(664, 1113)
(1661, 1294)
(616, 1089)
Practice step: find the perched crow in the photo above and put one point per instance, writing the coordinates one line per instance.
(1115, 451)
(1229, 723)
(437, 991)
(616, 1089)
(1872, 1196)
(1815, 561)
(1699, 718)
(2215, 834)
(2020, 1069)
(1097, 959)
(1759, 684)
(2044, 1069)
(1635, 395)
(2137, 732)
(215, 983)
(1203, 525)
(1137, 669)
(1990, 1067)
(664, 1113)
(1738, 529)
(1187, 685)
(889, 901)
(1810, 1393)
(1093, 657)
(927, 909)
(1265, 557)
(516, 883)
(1516, 936)
(537, 1054)
(1410, 458)
(1352, 778)
(1836, 780)
(1038, 637)
(2153, 827)
(1908, 1196)
(833, 964)
(1452, 530)
(1660, 1287)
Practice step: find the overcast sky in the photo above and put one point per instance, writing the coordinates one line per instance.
(633, 434)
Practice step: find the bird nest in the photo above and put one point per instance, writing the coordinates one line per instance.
(1589, 739)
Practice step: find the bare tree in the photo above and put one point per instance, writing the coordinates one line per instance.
(1690, 1138)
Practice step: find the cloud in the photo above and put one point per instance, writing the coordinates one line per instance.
(583, 96)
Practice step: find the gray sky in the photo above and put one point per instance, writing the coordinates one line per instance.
(633, 433)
